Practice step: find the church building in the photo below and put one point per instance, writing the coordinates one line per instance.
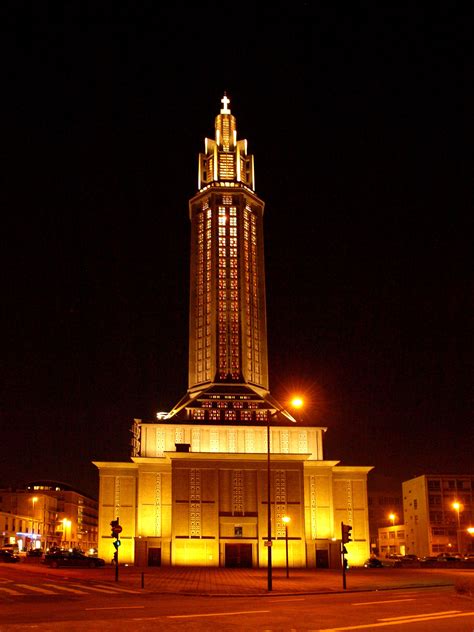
(230, 477)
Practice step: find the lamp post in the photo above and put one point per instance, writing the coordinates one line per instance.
(269, 510)
(391, 517)
(296, 402)
(470, 531)
(457, 508)
(66, 525)
(34, 500)
(286, 520)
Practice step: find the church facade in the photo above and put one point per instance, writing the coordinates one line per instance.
(229, 471)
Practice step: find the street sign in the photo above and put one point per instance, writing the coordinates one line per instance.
(117, 529)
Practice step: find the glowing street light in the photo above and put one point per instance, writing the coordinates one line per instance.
(470, 531)
(458, 508)
(296, 402)
(286, 520)
(392, 517)
(66, 526)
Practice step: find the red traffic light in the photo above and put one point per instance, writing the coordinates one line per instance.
(346, 532)
(116, 528)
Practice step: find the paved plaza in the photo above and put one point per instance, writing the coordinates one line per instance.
(239, 581)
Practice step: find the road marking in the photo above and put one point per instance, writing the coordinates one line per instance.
(214, 614)
(118, 589)
(370, 603)
(10, 591)
(108, 591)
(44, 591)
(425, 614)
(115, 608)
(66, 589)
(398, 621)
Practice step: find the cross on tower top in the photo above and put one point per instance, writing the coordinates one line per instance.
(225, 102)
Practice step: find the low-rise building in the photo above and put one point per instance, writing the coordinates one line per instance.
(48, 513)
(391, 540)
(438, 511)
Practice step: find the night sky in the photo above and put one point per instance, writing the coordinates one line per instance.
(361, 124)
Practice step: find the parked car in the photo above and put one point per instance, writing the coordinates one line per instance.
(408, 560)
(429, 560)
(373, 562)
(448, 557)
(34, 553)
(74, 558)
(13, 548)
(8, 556)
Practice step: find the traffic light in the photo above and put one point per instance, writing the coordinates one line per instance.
(114, 525)
(346, 532)
(117, 543)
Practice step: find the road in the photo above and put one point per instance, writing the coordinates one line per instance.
(76, 601)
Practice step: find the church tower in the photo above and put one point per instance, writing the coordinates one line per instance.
(228, 364)
(211, 482)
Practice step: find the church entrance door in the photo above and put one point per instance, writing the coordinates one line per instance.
(154, 556)
(322, 558)
(238, 555)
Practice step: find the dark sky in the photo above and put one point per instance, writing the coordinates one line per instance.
(361, 124)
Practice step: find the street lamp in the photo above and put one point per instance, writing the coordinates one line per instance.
(66, 525)
(457, 508)
(470, 531)
(34, 500)
(286, 520)
(296, 402)
(391, 517)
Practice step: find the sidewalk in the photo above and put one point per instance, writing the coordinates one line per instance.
(215, 581)
(240, 581)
